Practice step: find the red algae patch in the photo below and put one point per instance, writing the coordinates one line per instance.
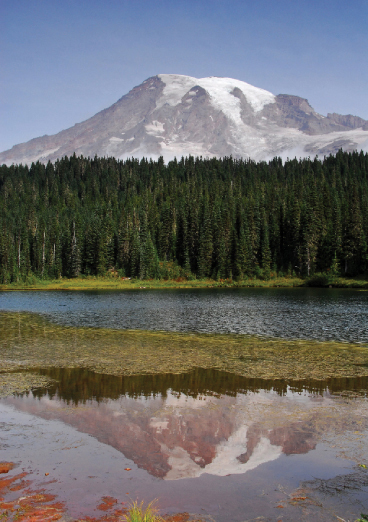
(116, 516)
(107, 503)
(182, 517)
(36, 505)
(5, 483)
(5, 467)
(30, 506)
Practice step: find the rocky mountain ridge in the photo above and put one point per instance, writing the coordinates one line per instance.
(173, 115)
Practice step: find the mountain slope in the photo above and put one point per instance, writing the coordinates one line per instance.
(174, 115)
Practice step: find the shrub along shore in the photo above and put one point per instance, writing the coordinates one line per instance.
(123, 283)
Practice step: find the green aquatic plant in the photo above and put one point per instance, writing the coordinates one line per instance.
(16, 382)
(29, 342)
(140, 513)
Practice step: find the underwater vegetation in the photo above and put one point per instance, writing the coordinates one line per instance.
(30, 342)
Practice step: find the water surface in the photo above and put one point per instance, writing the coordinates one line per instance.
(205, 442)
(299, 313)
(226, 444)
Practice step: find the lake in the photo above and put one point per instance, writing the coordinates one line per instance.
(234, 405)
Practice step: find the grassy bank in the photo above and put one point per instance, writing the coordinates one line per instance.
(116, 283)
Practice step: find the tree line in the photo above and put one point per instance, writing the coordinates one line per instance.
(192, 217)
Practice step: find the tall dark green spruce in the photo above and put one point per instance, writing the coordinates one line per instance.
(193, 217)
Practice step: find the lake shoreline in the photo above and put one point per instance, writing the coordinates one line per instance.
(115, 283)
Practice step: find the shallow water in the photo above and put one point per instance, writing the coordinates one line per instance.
(299, 313)
(233, 445)
(202, 442)
(30, 341)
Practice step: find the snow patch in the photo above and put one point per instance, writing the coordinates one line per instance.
(176, 86)
(155, 127)
(220, 91)
(259, 144)
(364, 146)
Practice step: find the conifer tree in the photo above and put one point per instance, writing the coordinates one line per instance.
(217, 217)
(135, 254)
(353, 232)
(265, 249)
(205, 244)
(74, 263)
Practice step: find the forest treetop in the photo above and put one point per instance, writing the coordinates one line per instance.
(205, 217)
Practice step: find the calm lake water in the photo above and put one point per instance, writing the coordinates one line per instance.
(300, 313)
(206, 442)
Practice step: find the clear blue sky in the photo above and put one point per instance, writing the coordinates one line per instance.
(64, 60)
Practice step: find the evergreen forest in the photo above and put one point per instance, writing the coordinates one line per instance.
(193, 218)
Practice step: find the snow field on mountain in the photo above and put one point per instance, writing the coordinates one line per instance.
(167, 116)
(220, 91)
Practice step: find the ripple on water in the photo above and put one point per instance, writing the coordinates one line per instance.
(299, 313)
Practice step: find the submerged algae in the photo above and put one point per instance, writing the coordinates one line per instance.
(16, 382)
(29, 341)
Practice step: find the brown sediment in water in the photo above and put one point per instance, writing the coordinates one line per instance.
(107, 503)
(5, 467)
(295, 427)
(181, 517)
(108, 363)
(36, 505)
(29, 342)
(29, 505)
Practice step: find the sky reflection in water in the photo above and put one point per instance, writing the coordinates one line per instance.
(180, 428)
(322, 314)
(205, 441)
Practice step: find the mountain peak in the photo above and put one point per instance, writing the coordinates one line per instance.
(177, 115)
(219, 89)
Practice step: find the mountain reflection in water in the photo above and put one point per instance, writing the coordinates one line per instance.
(185, 425)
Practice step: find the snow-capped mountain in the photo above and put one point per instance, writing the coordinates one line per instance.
(172, 115)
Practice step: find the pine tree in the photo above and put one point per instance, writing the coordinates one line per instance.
(217, 217)
(135, 254)
(265, 249)
(353, 233)
(74, 264)
(205, 244)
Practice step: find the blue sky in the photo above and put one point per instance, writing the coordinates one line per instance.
(64, 60)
